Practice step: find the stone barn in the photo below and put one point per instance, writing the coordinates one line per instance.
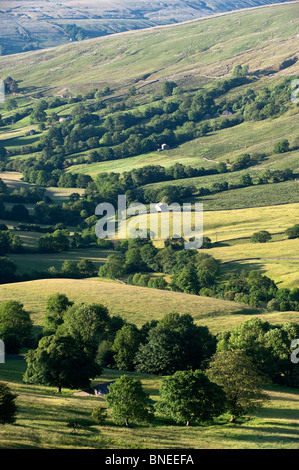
(100, 390)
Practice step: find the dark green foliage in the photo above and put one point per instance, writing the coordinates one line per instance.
(114, 268)
(282, 146)
(7, 270)
(8, 407)
(176, 343)
(75, 32)
(190, 397)
(11, 85)
(87, 324)
(268, 346)
(127, 401)
(240, 379)
(125, 347)
(99, 414)
(15, 323)
(19, 212)
(261, 237)
(167, 88)
(9, 243)
(293, 232)
(59, 361)
(56, 306)
(259, 288)
(86, 268)
(54, 242)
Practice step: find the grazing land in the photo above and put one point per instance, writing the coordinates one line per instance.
(202, 111)
(43, 421)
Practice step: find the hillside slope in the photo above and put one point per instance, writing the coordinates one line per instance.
(30, 25)
(209, 48)
(137, 304)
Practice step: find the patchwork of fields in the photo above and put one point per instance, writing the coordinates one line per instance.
(98, 138)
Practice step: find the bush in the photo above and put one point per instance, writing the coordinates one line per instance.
(293, 232)
(282, 146)
(273, 305)
(261, 237)
(7, 405)
(99, 414)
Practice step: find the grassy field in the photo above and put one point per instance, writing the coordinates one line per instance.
(278, 260)
(13, 180)
(238, 223)
(43, 417)
(28, 262)
(137, 304)
(225, 144)
(252, 197)
(229, 231)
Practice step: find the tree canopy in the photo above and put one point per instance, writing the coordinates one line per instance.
(189, 396)
(59, 362)
(128, 401)
(240, 379)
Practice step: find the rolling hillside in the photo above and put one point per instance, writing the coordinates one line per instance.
(197, 55)
(86, 121)
(205, 48)
(137, 304)
(29, 25)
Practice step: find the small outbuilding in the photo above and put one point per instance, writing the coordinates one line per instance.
(31, 132)
(227, 113)
(100, 390)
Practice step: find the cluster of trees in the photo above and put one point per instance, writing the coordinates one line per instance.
(161, 347)
(256, 106)
(231, 383)
(108, 186)
(139, 255)
(285, 299)
(75, 32)
(193, 272)
(206, 375)
(70, 269)
(128, 133)
(9, 243)
(16, 327)
(264, 236)
(66, 354)
(71, 213)
(269, 347)
(54, 242)
(253, 288)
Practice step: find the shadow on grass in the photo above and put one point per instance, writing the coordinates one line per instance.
(279, 413)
